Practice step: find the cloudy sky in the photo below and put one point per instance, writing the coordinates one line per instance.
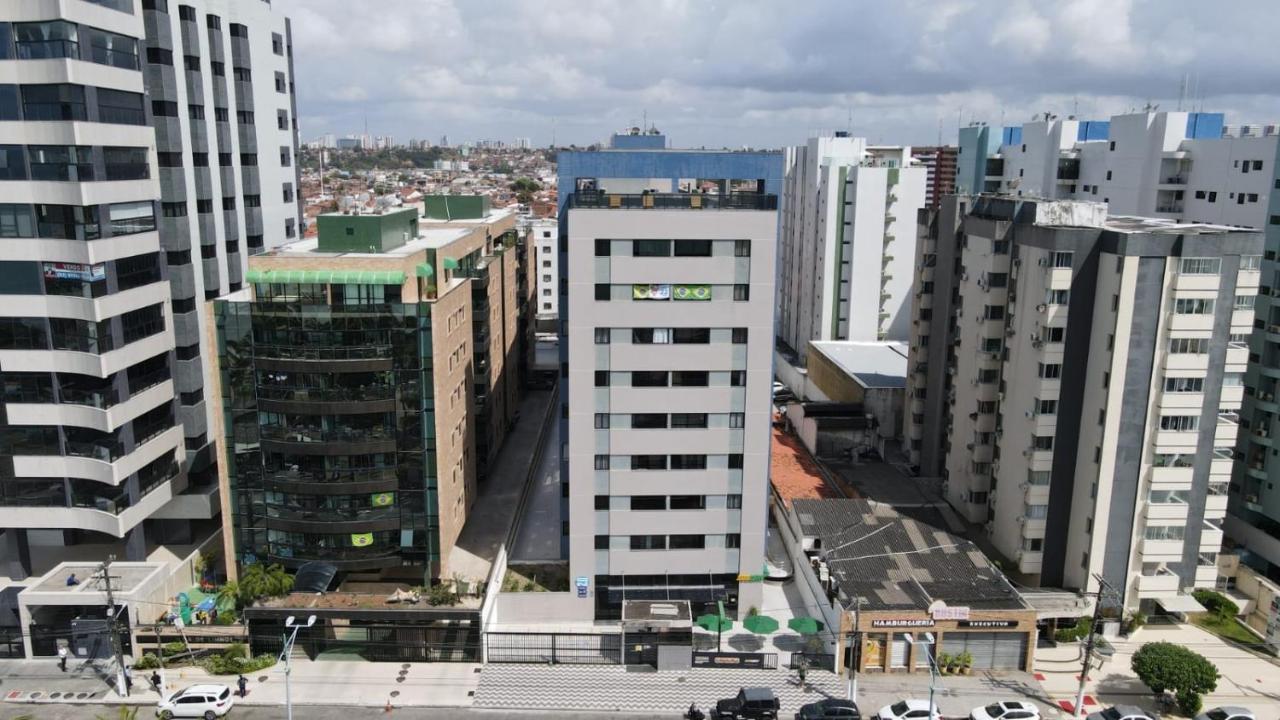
(766, 73)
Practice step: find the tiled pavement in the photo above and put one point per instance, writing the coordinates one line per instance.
(613, 688)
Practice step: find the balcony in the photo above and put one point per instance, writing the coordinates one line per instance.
(1163, 583)
(600, 200)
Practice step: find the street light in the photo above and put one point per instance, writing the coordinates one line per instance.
(933, 667)
(286, 654)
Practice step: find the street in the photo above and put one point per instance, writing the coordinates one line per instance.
(13, 711)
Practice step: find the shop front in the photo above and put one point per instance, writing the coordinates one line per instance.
(903, 641)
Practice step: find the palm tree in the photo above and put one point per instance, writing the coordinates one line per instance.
(260, 580)
(228, 594)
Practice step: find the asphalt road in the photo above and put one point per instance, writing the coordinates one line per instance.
(12, 711)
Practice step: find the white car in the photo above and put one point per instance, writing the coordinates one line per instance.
(778, 387)
(1227, 712)
(909, 710)
(197, 701)
(1008, 710)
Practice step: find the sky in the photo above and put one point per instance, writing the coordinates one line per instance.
(768, 73)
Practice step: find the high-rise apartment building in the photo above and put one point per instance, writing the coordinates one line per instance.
(113, 114)
(1186, 166)
(668, 259)
(939, 162)
(219, 79)
(367, 377)
(1078, 378)
(847, 234)
(542, 238)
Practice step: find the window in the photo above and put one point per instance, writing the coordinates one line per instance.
(602, 248)
(1184, 384)
(1193, 306)
(286, 157)
(737, 378)
(281, 85)
(1232, 379)
(602, 542)
(742, 248)
(106, 48)
(648, 502)
(277, 44)
(649, 421)
(602, 421)
(252, 201)
(173, 209)
(1033, 544)
(648, 462)
(244, 117)
(733, 502)
(1213, 196)
(248, 159)
(45, 40)
(733, 541)
(688, 420)
(287, 192)
(602, 291)
(602, 462)
(690, 336)
(648, 542)
(735, 461)
(1167, 497)
(1036, 512)
(651, 336)
(1164, 532)
(204, 206)
(13, 165)
(739, 336)
(688, 502)
(993, 312)
(1200, 266)
(1245, 302)
(689, 378)
(1000, 247)
(169, 159)
(221, 115)
(1250, 263)
(602, 336)
(159, 56)
(741, 293)
(1039, 477)
(992, 345)
(1042, 442)
(282, 119)
(737, 420)
(687, 542)
(1061, 259)
(239, 30)
(648, 378)
(121, 108)
(688, 462)
(56, 102)
(1188, 346)
(1046, 407)
(692, 248)
(985, 407)
(1180, 423)
(1053, 334)
(1050, 371)
(651, 248)
(997, 280)
(229, 203)
(1057, 297)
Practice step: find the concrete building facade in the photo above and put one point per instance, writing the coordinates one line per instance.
(667, 334)
(367, 378)
(1094, 377)
(847, 232)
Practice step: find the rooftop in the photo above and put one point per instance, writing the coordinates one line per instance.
(900, 559)
(870, 364)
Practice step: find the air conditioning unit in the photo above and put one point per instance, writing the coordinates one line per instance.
(1030, 414)
(1037, 344)
(1041, 307)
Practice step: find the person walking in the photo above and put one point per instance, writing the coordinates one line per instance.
(243, 684)
(155, 681)
(62, 658)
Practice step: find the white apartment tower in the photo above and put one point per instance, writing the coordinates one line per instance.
(542, 238)
(1093, 377)
(114, 115)
(847, 234)
(666, 350)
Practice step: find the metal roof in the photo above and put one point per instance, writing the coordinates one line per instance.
(870, 364)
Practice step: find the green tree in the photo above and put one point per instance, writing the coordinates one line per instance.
(1219, 605)
(259, 581)
(228, 594)
(1164, 666)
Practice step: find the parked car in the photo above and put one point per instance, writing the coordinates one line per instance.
(1227, 712)
(750, 704)
(909, 710)
(1008, 710)
(778, 387)
(197, 701)
(1121, 712)
(830, 709)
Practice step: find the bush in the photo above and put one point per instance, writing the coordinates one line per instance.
(1074, 634)
(173, 648)
(235, 660)
(148, 661)
(441, 594)
(1218, 605)
(1135, 621)
(1165, 666)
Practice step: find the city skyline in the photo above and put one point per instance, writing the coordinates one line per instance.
(570, 71)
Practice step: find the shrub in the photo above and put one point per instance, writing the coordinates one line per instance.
(1165, 666)
(173, 648)
(148, 661)
(1074, 634)
(1218, 605)
(441, 594)
(235, 660)
(1135, 621)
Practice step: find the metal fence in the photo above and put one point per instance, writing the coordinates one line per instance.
(766, 661)
(553, 648)
(815, 661)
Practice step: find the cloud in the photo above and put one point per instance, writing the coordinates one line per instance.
(761, 73)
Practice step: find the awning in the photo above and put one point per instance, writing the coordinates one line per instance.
(450, 264)
(326, 277)
(424, 270)
(1180, 604)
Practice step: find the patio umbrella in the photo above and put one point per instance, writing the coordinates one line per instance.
(760, 624)
(805, 625)
(717, 622)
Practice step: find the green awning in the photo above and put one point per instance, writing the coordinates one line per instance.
(450, 264)
(327, 277)
(425, 270)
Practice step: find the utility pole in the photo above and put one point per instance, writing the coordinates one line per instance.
(105, 571)
(160, 659)
(1104, 589)
(855, 643)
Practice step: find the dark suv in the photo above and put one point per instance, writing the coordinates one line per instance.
(749, 704)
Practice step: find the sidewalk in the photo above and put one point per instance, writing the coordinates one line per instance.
(312, 683)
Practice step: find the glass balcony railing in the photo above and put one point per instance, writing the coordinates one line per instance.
(336, 394)
(674, 201)
(305, 434)
(302, 352)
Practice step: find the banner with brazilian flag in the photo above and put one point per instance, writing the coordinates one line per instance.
(361, 539)
(382, 499)
(691, 292)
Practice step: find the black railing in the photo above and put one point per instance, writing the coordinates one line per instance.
(674, 201)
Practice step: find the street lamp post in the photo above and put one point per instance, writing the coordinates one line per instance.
(933, 667)
(286, 655)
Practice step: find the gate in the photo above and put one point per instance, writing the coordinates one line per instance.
(554, 648)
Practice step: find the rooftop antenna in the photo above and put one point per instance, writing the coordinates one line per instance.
(848, 123)
(1075, 105)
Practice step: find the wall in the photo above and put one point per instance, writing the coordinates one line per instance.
(452, 374)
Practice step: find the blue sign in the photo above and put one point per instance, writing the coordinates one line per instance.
(582, 582)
